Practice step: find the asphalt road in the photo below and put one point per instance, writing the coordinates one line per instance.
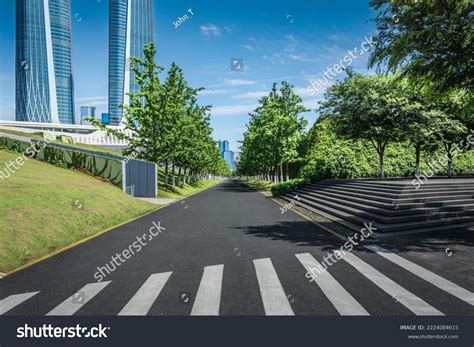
(231, 251)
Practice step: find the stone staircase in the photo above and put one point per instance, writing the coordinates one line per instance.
(393, 206)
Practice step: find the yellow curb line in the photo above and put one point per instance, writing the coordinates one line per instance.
(74, 244)
(77, 243)
(312, 221)
(304, 216)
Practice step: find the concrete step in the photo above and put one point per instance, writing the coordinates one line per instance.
(355, 224)
(391, 195)
(405, 183)
(384, 209)
(376, 216)
(391, 198)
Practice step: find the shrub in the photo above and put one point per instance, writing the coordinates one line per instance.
(288, 186)
(330, 156)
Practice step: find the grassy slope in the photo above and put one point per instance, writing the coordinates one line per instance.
(259, 185)
(37, 214)
(171, 193)
(175, 192)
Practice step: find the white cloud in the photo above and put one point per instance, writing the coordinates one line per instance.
(249, 47)
(214, 92)
(238, 82)
(251, 95)
(232, 110)
(210, 30)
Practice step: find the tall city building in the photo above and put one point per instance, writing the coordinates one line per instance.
(130, 28)
(44, 85)
(226, 153)
(87, 111)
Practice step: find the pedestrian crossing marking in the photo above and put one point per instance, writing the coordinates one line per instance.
(14, 300)
(141, 302)
(425, 274)
(412, 302)
(275, 301)
(208, 297)
(72, 304)
(344, 302)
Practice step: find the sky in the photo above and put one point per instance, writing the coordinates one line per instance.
(278, 40)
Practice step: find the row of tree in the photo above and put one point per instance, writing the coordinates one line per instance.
(166, 124)
(273, 135)
(386, 109)
(422, 93)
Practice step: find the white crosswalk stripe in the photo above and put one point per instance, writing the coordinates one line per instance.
(208, 297)
(415, 304)
(141, 302)
(78, 299)
(344, 303)
(425, 274)
(275, 302)
(14, 300)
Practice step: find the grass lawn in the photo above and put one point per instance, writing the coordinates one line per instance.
(38, 213)
(172, 192)
(188, 189)
(258, 185)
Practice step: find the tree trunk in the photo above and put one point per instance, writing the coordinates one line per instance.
(418, 155)
(450, 159)
(381, 151)
(287, 172)
(166, 175)
(281, 172)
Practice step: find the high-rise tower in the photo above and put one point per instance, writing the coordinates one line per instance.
(44, 83)
(130, 28)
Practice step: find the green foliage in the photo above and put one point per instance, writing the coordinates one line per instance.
(288, 186)
(105, 168)
(274, 134)
(428, 41)
(166, 123)
(332, 156)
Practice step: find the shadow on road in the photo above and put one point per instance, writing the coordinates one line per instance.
(235, 186)
(305, 233)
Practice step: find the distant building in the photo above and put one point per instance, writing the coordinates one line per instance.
(223, 146)
(87, 111)
(130, 28)
(226, 153)
(104, 118)
(44, 83)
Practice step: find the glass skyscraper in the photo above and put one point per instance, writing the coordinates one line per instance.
(130, 28)
(44, 83)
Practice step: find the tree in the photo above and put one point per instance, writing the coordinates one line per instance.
(273, 134)
(368, 108)
(453, 125)
(428, 41)
(163, 122)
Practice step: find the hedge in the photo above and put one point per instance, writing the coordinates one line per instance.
(288, 186)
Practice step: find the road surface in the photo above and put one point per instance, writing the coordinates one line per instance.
(231, 251)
